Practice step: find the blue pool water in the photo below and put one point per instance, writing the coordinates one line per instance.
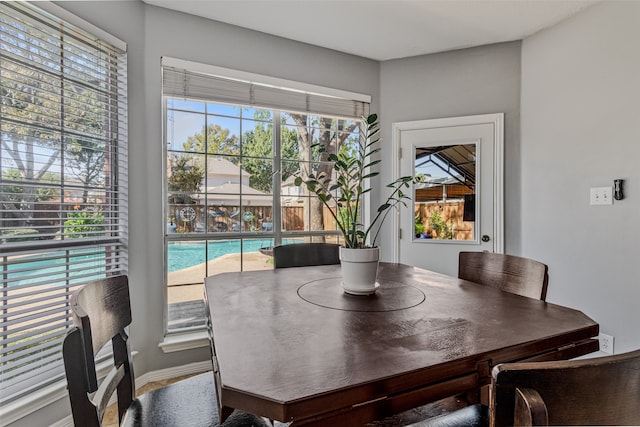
(187, 254)
(47, 267)
(55, 266)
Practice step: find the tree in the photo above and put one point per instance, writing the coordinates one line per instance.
(297, 145)
(186, 177)
(257, 150)
(85, 153)
(215, 140)
(86, 162)
(51, 122)
(12, 198)
(26, 99)
(329, 133)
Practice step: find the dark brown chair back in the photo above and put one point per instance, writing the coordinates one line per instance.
(509, 273)
(303, 254)
(598, 391)
(101, 310)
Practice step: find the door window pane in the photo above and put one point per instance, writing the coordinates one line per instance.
(445, 203)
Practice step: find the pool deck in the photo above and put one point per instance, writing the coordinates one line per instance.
(227, 263)
(186, 305)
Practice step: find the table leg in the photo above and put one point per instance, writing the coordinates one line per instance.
(225, 411)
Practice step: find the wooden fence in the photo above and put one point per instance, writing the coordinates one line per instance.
(193, 218)
(451, 213)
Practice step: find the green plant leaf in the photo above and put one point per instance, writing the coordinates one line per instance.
(384, 207)
(373, 163)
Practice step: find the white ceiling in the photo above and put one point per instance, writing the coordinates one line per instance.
(387, 29)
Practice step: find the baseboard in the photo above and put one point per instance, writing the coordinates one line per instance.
(65, 422)
(144, 379)
(176, 371)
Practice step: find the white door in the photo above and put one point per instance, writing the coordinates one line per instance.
(459, 207)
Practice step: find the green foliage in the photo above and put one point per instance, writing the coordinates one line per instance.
(186, 177)
(77, 105)
(352, 170)
(257, 152)
(12, 188)
(418, 225)
(441, 228)
(257, 149)
(343, 217)
(84, 223)
(213, 139)
(12, 235)
(86, 159)
(26, 96)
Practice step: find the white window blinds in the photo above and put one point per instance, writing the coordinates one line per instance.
(205, 86)
(63, 183)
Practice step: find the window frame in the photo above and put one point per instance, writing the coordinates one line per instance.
(243, 99)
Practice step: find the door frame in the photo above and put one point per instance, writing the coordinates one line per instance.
(497, 120)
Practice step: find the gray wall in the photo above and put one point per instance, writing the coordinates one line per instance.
(151, 33)
(465, 82)
(581, 129)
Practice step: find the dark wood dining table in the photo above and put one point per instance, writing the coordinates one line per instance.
(290, 345)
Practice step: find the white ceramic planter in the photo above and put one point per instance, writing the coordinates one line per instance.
(359, 270)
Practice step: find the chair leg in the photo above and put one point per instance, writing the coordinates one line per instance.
(484, 395)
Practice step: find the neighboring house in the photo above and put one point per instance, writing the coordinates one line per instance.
(221, 171)
(226, 184)
(225, 189)
(229, 194)
(290, 192)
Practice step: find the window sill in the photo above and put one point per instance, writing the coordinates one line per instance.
(184, 341)
(22, 407)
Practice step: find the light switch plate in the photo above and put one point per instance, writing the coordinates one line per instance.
(601, 196)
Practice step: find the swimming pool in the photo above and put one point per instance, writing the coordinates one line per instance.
(182, 255)
(51, 266)
(56, 267)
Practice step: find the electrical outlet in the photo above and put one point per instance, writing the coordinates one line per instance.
(606, 343)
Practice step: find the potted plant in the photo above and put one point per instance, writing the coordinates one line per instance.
(342, 193)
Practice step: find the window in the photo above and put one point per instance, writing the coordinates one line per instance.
(234, 148)
(63, 183)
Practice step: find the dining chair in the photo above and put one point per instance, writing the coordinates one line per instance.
(101, 312)
(509, 273)
(598, 391)
(303, 254)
